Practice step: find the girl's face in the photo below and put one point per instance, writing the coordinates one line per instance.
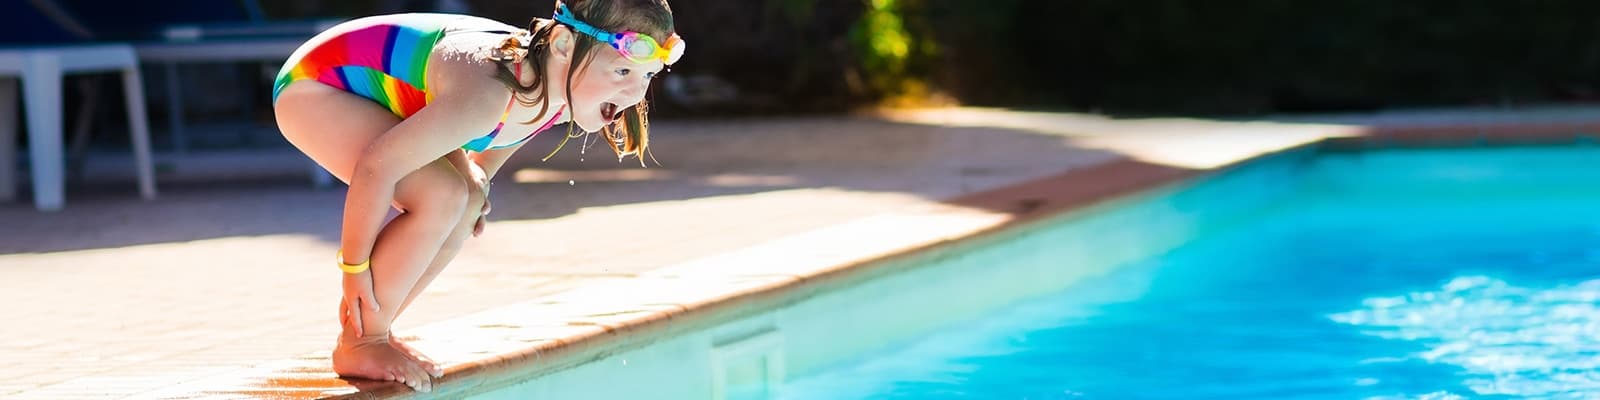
(609, 84)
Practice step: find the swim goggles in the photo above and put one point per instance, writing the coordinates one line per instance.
(639, 47)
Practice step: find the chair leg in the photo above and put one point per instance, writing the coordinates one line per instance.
(78, 145)
(8, 140)
(41, 85)
(180, 143)
(139, 127)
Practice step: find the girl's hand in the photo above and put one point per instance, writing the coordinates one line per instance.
(358, 296)
(482, 185)
(477, 228)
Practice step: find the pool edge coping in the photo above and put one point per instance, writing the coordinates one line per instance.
(1023, 204)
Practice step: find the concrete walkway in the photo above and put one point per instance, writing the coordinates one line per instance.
(115, 297)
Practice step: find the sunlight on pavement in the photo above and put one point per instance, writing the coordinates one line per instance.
(1178, 142)
(536, 175)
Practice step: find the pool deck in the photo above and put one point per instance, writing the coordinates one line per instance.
(222, 287)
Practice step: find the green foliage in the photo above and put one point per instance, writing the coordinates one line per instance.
(796, 11)
(1248, 56)
(1189, 56)
(887, 47)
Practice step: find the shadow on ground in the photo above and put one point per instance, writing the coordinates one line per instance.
(693, 160)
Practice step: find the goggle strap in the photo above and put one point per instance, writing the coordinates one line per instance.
(564, 15)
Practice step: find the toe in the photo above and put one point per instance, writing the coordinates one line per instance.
(433, 370)
(397, 376)
(418, 379)
(422, 384)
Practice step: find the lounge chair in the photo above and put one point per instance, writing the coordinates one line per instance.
(173, 32)
(39, 45)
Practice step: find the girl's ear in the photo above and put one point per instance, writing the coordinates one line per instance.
(561, 43)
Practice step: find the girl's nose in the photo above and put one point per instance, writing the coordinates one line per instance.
(635, 93)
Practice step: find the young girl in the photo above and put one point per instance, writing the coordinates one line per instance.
(419, 111)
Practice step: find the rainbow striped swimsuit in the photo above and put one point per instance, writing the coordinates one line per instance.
(384, 62)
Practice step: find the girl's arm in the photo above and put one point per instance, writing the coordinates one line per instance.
(462, 160)
(492, 160)
(466, 104)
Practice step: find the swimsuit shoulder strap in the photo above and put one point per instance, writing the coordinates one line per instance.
(547, 125)
(517, 70)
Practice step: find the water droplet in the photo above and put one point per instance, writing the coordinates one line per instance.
(570, 182)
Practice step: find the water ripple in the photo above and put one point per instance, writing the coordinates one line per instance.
(1510, 340)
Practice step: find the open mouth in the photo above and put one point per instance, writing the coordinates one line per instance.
(610, 112)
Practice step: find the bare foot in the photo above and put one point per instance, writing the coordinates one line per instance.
(377, 360)
(423, 361)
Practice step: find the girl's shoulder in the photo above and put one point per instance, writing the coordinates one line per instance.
(458, 23)
(467, 42)
(461, 59)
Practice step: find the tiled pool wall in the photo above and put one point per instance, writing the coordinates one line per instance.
(1500, 168)
(750, 353)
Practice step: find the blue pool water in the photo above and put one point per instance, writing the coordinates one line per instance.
(1432, 274)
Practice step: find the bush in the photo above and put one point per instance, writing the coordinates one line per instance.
(1167, 56)
(1247, 56)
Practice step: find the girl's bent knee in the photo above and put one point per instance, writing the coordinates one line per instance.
(450, 197)
(433, 190)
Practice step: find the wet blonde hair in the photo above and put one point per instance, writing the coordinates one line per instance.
(629, 135)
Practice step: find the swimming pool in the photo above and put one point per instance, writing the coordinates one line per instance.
(1425, 273)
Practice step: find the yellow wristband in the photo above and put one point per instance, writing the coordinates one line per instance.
(348, 268)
